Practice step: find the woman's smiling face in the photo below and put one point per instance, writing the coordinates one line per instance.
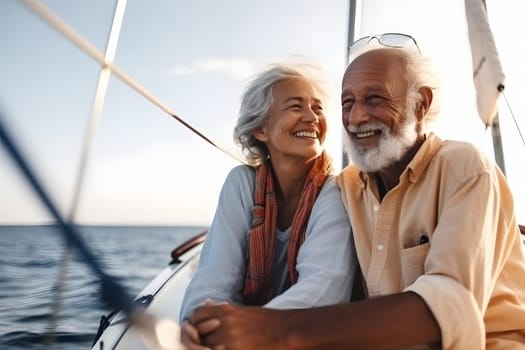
(295, 125)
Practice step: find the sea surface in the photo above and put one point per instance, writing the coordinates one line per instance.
(31, 258)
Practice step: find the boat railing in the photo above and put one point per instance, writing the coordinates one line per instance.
(194, 241)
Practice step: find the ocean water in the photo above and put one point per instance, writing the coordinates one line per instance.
(30, 261)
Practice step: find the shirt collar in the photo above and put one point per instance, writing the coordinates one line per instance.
(422, 159)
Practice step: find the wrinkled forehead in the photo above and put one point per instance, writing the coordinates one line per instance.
(380, 64)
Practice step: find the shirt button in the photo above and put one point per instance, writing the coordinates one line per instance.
(380, 247)
(376, 207)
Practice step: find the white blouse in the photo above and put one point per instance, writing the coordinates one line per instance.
(326, 261)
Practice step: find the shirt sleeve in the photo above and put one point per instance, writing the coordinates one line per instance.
(326, 261)
(222, 260)
(467, 252)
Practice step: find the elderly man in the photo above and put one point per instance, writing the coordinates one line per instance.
(434, 228)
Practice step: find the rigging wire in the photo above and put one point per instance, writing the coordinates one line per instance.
(156, 333)
(98, 103)
(94, 118)
(513, 117)
(62, 27)
(113, 292)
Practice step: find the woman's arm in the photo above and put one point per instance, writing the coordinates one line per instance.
(326, 262)
(222, 262)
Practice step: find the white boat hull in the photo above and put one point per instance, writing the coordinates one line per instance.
(165, 291)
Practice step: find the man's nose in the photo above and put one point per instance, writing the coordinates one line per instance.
(357, 115)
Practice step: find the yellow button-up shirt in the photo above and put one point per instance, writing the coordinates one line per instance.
(447, 232)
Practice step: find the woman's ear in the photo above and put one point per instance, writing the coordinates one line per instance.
(260, 134)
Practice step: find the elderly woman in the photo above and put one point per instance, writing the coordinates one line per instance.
(280, 237)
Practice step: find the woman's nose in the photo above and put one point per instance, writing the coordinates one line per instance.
(311, 115)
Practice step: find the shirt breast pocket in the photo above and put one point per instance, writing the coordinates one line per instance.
(413, 262)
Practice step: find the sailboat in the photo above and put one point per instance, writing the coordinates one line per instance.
(162, 296)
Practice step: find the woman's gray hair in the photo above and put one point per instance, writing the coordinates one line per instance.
(257, 100)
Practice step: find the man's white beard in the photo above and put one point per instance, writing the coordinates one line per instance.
(390, 149)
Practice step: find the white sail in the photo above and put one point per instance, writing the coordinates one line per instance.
(487, 72)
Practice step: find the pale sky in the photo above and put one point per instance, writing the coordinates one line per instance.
(196, 56)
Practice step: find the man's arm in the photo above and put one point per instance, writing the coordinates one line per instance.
(387, 322)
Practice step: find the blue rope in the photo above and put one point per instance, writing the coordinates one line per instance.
(112, 292)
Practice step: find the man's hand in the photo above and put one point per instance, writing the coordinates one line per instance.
(239, 327)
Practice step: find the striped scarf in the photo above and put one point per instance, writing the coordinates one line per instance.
(258, 286)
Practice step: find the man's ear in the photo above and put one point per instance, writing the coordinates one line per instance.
(426, 100)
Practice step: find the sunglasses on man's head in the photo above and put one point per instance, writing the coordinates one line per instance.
(396, 40)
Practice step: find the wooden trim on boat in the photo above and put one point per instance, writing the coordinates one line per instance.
(194, 241)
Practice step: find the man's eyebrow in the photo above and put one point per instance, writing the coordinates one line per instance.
(346, 93)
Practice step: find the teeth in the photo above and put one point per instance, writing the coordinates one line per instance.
(311, 134)
(364, 134)
(367, 130)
